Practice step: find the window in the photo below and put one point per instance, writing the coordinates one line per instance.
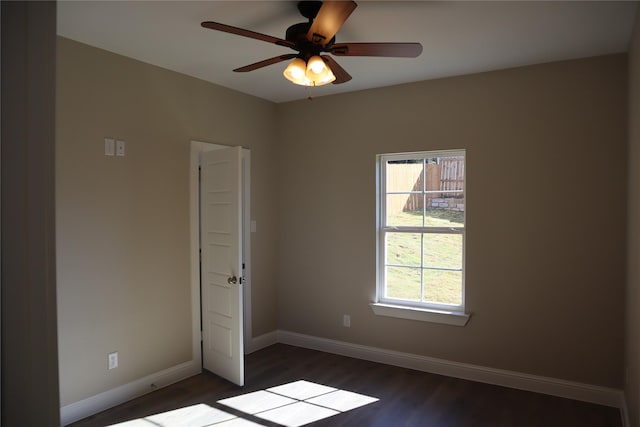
(421, 235)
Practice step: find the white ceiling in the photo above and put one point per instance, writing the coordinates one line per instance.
(457, 37)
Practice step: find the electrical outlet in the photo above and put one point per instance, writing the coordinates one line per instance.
(120, 148)
(346, 321)
(113, 360)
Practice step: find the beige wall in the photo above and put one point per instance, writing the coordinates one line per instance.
(123, 222)
(632, 387)
(546, 157)
(545, 224)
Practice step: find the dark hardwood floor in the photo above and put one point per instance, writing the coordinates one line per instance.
(406, 397)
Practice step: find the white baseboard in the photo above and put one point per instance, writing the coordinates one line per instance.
(262, 341)
(538, 384)
(110, 398)
(551, 386)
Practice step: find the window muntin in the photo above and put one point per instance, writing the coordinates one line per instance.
(421, 202)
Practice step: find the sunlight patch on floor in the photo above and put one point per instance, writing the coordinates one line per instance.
(199, 415)
(297, 414)
(292, 405)
(342, 400)
(305, 403)
(301, 390)
(258, 401)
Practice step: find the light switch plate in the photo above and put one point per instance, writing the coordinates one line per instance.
(109, 146)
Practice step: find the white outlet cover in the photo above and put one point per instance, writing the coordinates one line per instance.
(346, 321)
(113, 360)
(120, 148)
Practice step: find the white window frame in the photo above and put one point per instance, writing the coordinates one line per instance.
(406, 309)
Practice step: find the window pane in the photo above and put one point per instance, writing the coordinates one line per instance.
(444, 188)
(404, 249)
(404, 176)
(442, 250)
(404, 210)
(443, 287)
(445, 175)
(446, 211)
(403, 283)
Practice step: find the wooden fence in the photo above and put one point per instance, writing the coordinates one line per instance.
(451, 175)
(444, 179)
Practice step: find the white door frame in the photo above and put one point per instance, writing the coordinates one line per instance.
(194, 231)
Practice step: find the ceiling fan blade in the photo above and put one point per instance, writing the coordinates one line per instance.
(331, 16)
(341, 75)
(247, 33)
(266, 62)
(398, 50)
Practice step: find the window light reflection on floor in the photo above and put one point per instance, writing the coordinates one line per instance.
(292, 405)
(199, 415)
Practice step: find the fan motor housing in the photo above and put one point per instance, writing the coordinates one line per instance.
(309, 9)
(297, 33)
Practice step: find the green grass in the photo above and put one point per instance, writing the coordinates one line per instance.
(434, 218)
(404, 251)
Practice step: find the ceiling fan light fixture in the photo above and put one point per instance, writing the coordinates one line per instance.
(314, 72)
(316, 65)
(326, 78)
(318, 71)
(296, 71)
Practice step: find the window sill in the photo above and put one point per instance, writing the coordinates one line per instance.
(421, 314)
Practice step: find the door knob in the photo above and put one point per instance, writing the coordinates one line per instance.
(232, 280)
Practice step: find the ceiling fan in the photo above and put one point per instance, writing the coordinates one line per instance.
(310, 39)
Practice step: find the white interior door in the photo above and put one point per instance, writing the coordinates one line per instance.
(221, 266)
